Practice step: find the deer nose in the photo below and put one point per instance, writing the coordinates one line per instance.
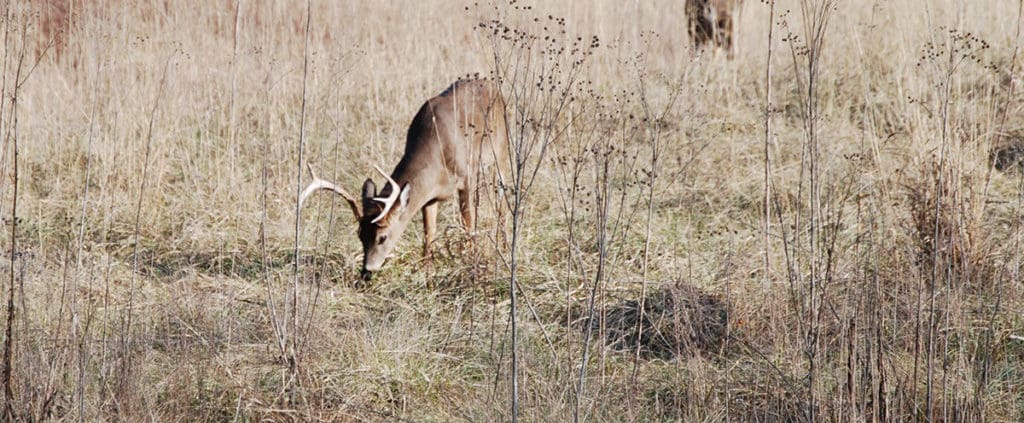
(366, 275)
(373, 263)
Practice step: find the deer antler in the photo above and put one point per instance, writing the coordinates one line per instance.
(389, 201)
(319, 184)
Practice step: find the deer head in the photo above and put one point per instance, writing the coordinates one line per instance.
(380, 227)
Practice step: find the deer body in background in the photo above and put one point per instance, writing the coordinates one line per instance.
(456, 139)
(711, 21)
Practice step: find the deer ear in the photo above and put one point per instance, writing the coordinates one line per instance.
(403, 197)
(369, 189)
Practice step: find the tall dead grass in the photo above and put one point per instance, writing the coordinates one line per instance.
(148, 197)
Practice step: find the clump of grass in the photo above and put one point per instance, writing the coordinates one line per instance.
(947, 234)
(676, 319)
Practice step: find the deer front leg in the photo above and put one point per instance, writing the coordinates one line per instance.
(466, 207)
(429, 227)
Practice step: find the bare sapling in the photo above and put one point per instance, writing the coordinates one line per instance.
(538, 66)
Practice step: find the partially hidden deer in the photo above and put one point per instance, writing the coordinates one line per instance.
(711, 21)
(456, 142)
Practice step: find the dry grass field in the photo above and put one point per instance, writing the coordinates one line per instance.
(674, 260)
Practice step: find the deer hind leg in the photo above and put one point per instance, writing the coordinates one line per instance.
(429, 226)
(467, 210)
(722, 28)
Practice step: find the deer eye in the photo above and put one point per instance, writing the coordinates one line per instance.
(382, 239)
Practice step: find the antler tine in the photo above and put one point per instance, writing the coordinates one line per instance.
(389, 201)
(319, 184)
(394, 185)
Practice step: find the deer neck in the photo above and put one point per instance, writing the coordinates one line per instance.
(423, 187)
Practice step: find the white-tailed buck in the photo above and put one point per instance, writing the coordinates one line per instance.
(711, 21)
(456, 139)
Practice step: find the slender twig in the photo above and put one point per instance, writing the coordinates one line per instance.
(652, 179)
(5, 377)
(294, 304)
(126, 341)
(278, 325)
(12, 136)
(815, 15)
(232, 130)
(77, 334)
(9, 333)
(986, 363)
(599, 276)
(766, 217)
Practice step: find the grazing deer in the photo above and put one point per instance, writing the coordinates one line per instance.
(711, 21)
(456, 138)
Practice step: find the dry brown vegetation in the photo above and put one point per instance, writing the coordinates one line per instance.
(858, 261)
